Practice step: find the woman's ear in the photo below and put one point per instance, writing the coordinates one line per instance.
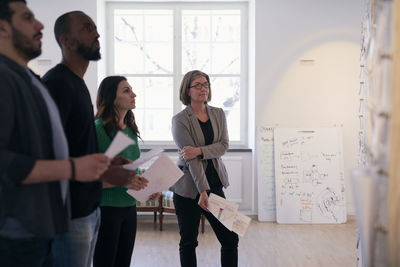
(115, 106)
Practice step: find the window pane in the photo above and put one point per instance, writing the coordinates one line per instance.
(196, 28)
(158, 28)
(196, 57)
(154, 124)
(128, 58)
(226, 94)
(160, 60)
(143, 41)
(154, 106)
(226, 59)
(226, 28)
(211, 41)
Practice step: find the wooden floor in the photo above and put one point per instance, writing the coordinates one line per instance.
(265, 244)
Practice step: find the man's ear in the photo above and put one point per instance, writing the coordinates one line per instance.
(63, 40)
(66, 41)
(5, 29)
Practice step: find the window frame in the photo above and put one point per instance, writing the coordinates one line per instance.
(177, 75)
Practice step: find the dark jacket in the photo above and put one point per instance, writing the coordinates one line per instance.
(25, 136)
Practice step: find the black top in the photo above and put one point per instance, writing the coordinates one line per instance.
(25, 137)
(76, 110)
(211, 173)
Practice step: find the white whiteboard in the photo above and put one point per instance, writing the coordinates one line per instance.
(309, 176)
(266, 174)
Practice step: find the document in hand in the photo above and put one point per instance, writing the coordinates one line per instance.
(161, 175)
(142, 160)
(119, 143)
(227, 213)
(224, 210)
(241, 224)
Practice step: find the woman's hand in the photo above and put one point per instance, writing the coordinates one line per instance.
(138, 183)
(190, 152)
(155, 196)
(203, 201)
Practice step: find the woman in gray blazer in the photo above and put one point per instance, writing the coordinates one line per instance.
(201, 134)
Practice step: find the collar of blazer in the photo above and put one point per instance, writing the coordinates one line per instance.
(199, 137)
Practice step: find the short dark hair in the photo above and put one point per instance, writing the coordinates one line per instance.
(187, 83)
(63, 25)
(5, 10)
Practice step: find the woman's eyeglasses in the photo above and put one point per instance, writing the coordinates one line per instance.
(198, 86)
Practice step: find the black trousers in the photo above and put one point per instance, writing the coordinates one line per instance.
(116, 237)
(188, 213)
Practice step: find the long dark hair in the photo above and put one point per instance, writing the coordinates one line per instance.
(105, 106)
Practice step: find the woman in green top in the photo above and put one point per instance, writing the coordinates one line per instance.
(116, 238)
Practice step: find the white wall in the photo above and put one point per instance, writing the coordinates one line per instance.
(283, 91)
(323, 92)
(47, 11)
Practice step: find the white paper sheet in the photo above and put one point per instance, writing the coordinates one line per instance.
(224, 210)
(140, 161)
(119, 143)
(241, 224)
(227, 213)
(161, 175)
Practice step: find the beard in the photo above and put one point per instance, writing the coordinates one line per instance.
(24, 45)
(87, 53)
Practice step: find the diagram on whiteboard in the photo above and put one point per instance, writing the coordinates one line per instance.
(309, 176)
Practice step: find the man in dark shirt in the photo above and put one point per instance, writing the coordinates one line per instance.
(77, 35)
(34, 165)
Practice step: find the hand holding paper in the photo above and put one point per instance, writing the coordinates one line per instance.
(138, 183)
(222, 209)
(140, 161)
(241, 224)
(119, 143)
(161, 175)
(227, 213)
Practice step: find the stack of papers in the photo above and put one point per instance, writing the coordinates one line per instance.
(142, 160)
(161, 174)
(227, 213)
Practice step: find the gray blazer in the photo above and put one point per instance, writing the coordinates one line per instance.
(186, 131)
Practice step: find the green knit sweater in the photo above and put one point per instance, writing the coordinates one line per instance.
(117, 196)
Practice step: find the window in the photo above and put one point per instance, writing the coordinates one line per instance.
(154, 45)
